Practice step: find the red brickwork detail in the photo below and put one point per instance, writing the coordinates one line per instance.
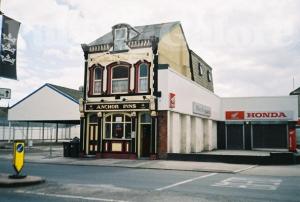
(162, 134)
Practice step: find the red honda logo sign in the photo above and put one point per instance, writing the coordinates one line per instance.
(235, 115)
(172, 100)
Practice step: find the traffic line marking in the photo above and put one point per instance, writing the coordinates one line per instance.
(244, 169)
(250, 183)
(68, 196)
(185, 181)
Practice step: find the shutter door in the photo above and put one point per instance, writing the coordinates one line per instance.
(270, 136)
(235, 139)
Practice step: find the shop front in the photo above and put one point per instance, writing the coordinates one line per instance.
(120, 130)
(257, 129)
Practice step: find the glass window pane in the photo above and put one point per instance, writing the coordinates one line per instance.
(107, 130)
(120, 86)
(143, 84)
(108, 119)
(117, 130)
(118, 118)
(120, 72)
(97, 86)
(94, 118)
(120, 33)
(127, 118)
(128, 131)
(145, 118)
(143, 70)
(98, 74)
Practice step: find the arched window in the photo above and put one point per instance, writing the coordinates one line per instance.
(97, 80)
(142, 75)
(120, 79)
(118, 126)
(143, 78)
(96, 77)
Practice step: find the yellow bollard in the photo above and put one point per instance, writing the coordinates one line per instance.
(18, 158)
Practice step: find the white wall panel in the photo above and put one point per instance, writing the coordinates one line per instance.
(45, 104)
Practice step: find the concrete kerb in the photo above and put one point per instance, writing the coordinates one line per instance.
(6, 182)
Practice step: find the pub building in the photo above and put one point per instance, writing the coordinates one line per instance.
(146, 94)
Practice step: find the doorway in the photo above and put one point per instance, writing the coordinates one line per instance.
(234, 136)
(93, 134)
(145, 134)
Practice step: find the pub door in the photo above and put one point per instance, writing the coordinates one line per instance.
(93, 134)
(93, 138)
(145, 134)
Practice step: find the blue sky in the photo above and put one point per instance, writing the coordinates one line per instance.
(252, 46)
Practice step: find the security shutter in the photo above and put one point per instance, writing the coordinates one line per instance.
(234, 136)
(270, 136)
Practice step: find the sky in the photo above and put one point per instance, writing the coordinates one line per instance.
(252, 46)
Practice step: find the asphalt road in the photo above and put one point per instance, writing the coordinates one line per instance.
(94, 183)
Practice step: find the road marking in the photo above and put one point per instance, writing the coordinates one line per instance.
(68, 196)
(184, 182)
(244, 169)
(250, 183)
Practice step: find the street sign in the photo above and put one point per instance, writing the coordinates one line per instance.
(18, 160)
(5, 93)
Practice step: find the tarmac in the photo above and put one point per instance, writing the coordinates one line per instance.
(54, 155)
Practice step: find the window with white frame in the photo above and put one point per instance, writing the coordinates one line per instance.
(97, 88)
(120, 79)
(143, 77)
(120, 37)
(118, 126)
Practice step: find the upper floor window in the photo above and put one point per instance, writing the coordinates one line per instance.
(96, 77)
(120, 79)
(142, 72)
(209, 76)
(143, 77)
(97, 80)
(200, 69)
(120, 37)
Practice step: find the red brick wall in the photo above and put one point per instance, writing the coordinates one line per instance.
(162, 146)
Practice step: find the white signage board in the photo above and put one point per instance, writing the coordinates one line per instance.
(201, 109)
(5, 93)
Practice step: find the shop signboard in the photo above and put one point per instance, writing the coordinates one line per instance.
(172, 102)
(201, 109)
(259, 115)
(117, 107)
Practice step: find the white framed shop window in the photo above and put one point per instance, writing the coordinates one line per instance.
(117, 126)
